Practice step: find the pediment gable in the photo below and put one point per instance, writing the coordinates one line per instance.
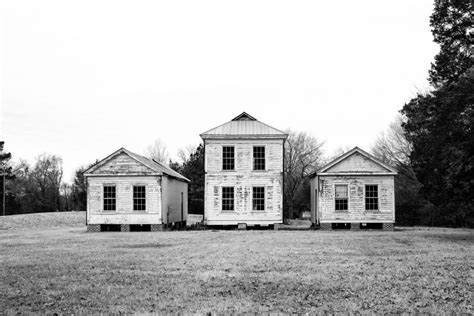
(357, 161)
(122, 163)
(244, 126)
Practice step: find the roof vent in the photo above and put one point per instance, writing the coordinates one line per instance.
(244, 117)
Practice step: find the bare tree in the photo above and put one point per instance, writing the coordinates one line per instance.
(47, 176)
(66, 194)
(186, 152)
(302, 157)
(158, 151)
(338, 152)
(392, 147)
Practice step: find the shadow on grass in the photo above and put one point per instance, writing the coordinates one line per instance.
(463, 237)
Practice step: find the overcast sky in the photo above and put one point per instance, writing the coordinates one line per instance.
(82, 79)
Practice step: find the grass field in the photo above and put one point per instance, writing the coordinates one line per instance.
(56, 267)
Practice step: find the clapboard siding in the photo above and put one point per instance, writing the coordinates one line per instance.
(357, 163)
(243, 179)
(356, 190)
(124, 213)
(123, 164)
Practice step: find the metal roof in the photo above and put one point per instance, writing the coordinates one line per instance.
(242, 126)
(152, 164)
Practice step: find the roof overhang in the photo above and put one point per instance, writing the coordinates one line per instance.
(248, 136)
(322, 171)
(353, 174)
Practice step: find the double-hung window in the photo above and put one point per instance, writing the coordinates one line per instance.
(259, 158)
(258, 198)
(371, 197)
(110, 199)
(139, 198)
(227, 198)
(341, 197)
(228, 158)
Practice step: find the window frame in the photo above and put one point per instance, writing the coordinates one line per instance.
(114, 198)
(377, 197)
(229, 199)
(263, 204)
(264, 158)
(347, 198)
(223, 159)
(134, 199)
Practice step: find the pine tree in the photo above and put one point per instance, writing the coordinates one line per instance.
(440, 124)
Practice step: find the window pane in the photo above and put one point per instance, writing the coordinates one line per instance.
(139, 198)
(227, 198)
(228, 158)
(341, 191)
(258, 198)
(259, 157)
(371, 197)
(341, 198)
(109, 198)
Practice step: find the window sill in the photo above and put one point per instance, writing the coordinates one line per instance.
(339, 211)
(228, 212)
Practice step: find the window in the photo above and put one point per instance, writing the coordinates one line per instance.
(371, 197)
(139, 198)
(227, 198)
(109, 198)
(341, 198)
(228, 158)
(259, 158)
(258, 199)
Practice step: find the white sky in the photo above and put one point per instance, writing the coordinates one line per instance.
(83, 78)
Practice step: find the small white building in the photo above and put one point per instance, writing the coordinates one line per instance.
(126, 191)
(243, 173)
(355, 191)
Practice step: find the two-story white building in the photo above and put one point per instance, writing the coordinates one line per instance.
(243, 173)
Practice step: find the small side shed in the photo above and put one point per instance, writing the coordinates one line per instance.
(126, 191)
(354, 191)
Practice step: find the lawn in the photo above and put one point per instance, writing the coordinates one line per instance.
(49, 264)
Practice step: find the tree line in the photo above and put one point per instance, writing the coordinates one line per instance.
(431, 144)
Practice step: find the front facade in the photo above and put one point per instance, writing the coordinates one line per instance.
(127, 191)
(243, 173)
(354, 191)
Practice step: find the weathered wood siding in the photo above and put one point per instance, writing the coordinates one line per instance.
(124, 213)
(357, 163)
(123, 164)
(356, 198)
(171, 202)
(243, 178)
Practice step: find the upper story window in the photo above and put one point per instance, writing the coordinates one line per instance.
(258, 198)
(371, 197)
(341, 198)
(228, 158)
(227, 198)
(110, 201)
(259, 158)
(139, 198)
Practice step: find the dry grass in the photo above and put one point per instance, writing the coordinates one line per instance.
(66, 270)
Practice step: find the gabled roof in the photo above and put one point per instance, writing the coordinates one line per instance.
(356, 150)
(244, 126)
(155, 166)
